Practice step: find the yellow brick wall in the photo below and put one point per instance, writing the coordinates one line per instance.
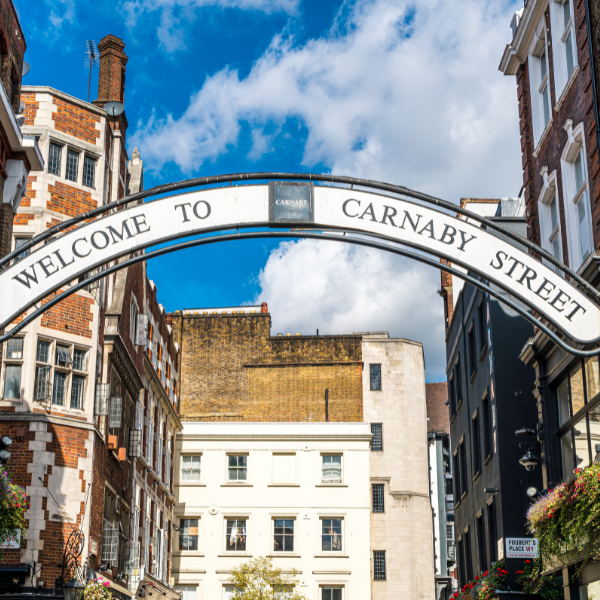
(232, 369)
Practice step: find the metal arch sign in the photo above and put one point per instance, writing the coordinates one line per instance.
(299, 206)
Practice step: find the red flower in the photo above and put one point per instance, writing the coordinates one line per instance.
(527, 561)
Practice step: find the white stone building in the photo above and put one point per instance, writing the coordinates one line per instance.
(298, 492)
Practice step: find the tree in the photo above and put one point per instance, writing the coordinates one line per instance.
(258, 579)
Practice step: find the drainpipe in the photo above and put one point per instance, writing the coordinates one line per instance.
(593, 71)
(327, 404)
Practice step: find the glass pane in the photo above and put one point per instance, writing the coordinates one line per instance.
(19, 242)
(562, 393)
(543, 65)
(592, 378)
(14, 348)
(42, 387)
(43, 351)
(12, 382)
(556, 249)
(79, 360)
(77, 391)
(546, 103)
(54, 159)
(566, 447)
(569, 53)
(59, 388)
(577, 397)
(579, 171)
(72, 163)
(595, 433)
(89, 165)
(553, 213)
(584, 229)
(582, 453)
(566, 14)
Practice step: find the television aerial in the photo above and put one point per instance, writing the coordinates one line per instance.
(92, 59)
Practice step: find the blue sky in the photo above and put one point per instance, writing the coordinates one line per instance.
(383, 89)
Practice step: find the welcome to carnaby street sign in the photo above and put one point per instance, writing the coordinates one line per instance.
(300, 206)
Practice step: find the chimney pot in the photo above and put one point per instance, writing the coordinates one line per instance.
(111, 80)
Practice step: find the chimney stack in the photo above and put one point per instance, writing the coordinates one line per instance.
(111, 81)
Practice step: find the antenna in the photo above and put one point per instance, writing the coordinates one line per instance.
(114, 109)
(92, 59)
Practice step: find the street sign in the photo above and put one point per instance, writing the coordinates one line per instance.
(521, 548)
(13, 542)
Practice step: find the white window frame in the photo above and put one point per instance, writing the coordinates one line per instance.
(322, 481)
(331, 585)
(274, 552)
(237, 517)
(237, 481)
(341, 552)
(180, 533)
(575, 144)
(134, 311)
(537, 53)
(548, 234)
(560, 35)
(16, 362)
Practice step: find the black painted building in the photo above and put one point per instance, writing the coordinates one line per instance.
(490, 397)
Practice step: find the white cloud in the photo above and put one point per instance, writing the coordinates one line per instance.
(174, 14)
(339, 288)
(396, 91)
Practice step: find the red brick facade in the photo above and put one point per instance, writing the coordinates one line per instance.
(72, 315)
(76, 121)
(69, 200)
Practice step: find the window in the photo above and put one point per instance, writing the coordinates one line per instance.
(54, 159)
(19, 242)
(471, 350)
(283, 538)
(332, 468)
(463, 467)
(14, 348)
(379, 565)
(461, 563)
(578, 415)
(77, 387)
(563, 35)
(476, 450)
(331, 593)
(190, 468)
(457, 382)
(549, 218)
(375, 377)
(89, 168)
(133, 320)
(457, 475)
(451, 394)
(188, 592)
(540, 90)
(63, 356)
(331, 535)
(577, 209)
(238, 467)
(235, 535)
(79, 359)
(481, 320)
(228, 592)
(486, 424)
(377, 441)
(468, 556)
(188, 534)
(12, 382)
(481, 543)
(72, 165)
(377, 491)
(59, 389)
(491, 518)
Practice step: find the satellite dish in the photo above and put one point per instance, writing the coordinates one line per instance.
(114, 109)
(26, 67)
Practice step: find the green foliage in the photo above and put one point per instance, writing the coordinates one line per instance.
(97, 590)
(532, 581)
(566, 520)
(483, 587)
(13, 504)
(258, 579)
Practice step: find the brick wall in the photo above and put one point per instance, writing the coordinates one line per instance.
(577, 106)
(232, 369)
(31, 107)
(111, 79)
(69, 200)
(73, 315)
(12, 48)
(76, 121)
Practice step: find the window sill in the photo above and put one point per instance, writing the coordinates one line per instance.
(488, 460)
(332, 485)
(464, 495)
(284, 485)
(459, 405)
(567, 88)
(235, 554)
(543, 137)
(472, 378)
(188, 553)
(453, 419)
(483, 353)
(191, 484)
(477, 475)
(332, 555)
(238, 485)
(284, 555)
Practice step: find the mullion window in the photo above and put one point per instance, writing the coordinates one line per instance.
(379, 565)
(54, 159)
(331, 535)
(235, 535)
(283, 535)
(238, 467)
(72, 165)
(59, 388)
(89, 168)
(378, 497)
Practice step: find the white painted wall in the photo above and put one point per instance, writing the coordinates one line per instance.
(304, 498)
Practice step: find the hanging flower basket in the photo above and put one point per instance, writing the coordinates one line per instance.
(13, 505)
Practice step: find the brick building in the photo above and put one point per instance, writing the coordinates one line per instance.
(554, 56)
(19, 153)
(298, 412)
(88, 399)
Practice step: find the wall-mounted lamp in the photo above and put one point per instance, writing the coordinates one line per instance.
(524, 431)
(530, 460)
